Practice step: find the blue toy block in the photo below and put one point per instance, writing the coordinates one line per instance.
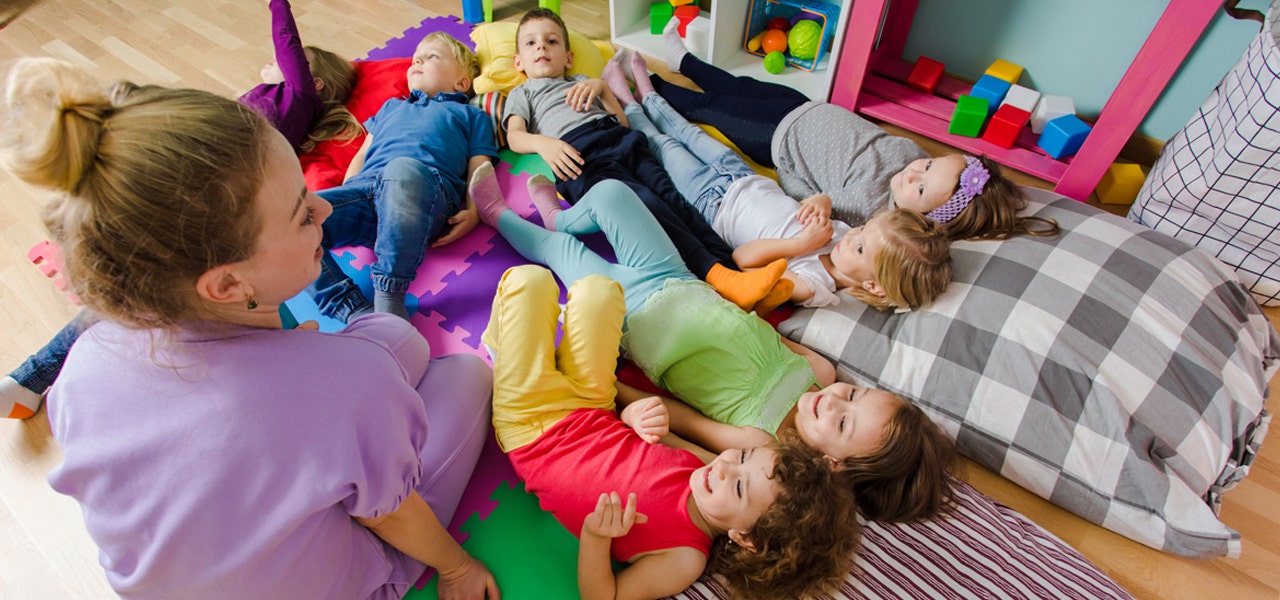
(1063, 136)
(993, 89)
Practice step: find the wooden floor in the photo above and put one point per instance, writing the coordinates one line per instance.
(219, 45)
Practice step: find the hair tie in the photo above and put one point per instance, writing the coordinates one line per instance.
(972, 181)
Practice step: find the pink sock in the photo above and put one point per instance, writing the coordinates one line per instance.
(616, 79)
(640, 70)
(487, 195)
(543, 193)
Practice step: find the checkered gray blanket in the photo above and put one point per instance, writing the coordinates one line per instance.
(1113, 370)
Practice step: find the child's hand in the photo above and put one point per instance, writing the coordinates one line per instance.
(460, 224)
(610, 519)
(815, 206)
(816, 234)
(649, 418)
(562, 157)
(583, 93)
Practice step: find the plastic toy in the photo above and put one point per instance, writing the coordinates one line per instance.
(685, 14)
(1005, 125)
(925, 74)
(991, 88)
(1022, 97)
(1063, 136)
(680, 2)
(1120, 184)
(1002, 69)
(659, 14)
(803, 15)
(753, 44)
(803, 39)
(774, 41)
(779, 23)
(1050, 108)
(967, 120)
(775, 62)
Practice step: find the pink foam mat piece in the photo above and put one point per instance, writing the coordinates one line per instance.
(47, 257)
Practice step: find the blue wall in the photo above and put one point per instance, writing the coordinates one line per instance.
(1077, 48)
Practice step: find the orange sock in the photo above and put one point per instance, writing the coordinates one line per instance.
(746, 288)
(780, 293)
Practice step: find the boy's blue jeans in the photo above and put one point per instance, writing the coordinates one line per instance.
(395, 210)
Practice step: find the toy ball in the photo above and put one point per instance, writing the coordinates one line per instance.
(779, 23)
(775, 62)
(774, 41)
(804, 38)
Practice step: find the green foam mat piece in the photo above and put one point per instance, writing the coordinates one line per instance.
(531, 164)
(526, 549)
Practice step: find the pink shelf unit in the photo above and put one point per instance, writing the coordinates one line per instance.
(870, 79)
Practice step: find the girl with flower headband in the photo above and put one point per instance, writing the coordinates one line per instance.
(820, 147)
(896, 259)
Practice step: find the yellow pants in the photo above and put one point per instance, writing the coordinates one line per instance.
(536, 383)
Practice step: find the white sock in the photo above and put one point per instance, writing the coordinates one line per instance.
(675, 45)
(16, 401)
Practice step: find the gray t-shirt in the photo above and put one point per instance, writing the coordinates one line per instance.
(541, 102)
(823, 148)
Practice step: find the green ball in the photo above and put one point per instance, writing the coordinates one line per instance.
(803, 39)
(775, 62)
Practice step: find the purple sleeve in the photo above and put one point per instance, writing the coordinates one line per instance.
(289, 53)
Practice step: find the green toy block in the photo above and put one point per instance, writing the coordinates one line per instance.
(1120, 184)
(659, 14)
(971, 112)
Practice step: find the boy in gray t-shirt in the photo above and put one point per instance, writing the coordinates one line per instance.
(577, 126)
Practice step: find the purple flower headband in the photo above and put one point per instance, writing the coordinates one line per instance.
(972, 180)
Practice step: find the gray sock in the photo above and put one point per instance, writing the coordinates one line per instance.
(675, 45)
(390, 302)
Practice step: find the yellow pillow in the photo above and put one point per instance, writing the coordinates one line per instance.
(496, 49)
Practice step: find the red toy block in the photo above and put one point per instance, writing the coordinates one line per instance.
(1005, 125)
(926, 74)
(686, 14)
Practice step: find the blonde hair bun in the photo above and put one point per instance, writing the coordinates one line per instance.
(55, 112)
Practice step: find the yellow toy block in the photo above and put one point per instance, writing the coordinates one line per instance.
(1003, 69)
(1120, 184)
(680, 2)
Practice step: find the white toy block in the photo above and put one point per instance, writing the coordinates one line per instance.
(1021, 97)
(1050, 108)
(697, 36)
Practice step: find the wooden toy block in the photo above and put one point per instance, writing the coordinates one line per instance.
(686, 14)
(1005, 125)
(970, 113)
(991, 88)
(1049, 108)
(1003, 69)
(925, 74)
(1121, 183)
(659, 14)
(1021, 97)
(1063, 136)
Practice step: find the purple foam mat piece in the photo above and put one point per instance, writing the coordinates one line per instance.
(403, 46)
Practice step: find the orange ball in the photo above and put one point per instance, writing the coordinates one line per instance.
(774, 41)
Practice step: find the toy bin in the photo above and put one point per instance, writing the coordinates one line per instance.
(825, 14)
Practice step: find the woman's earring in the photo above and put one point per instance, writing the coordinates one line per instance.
(252, 303)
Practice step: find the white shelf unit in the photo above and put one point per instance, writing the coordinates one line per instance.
(629, 22)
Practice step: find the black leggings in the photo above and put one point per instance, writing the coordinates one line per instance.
(744, 109)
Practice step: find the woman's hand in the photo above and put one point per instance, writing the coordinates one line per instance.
(469, 581)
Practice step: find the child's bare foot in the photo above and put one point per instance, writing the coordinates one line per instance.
(543, 193)
(746, 288)
(17, 402)
(648, 418)
(485, 192)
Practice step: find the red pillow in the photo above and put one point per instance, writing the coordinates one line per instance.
(376, 82)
